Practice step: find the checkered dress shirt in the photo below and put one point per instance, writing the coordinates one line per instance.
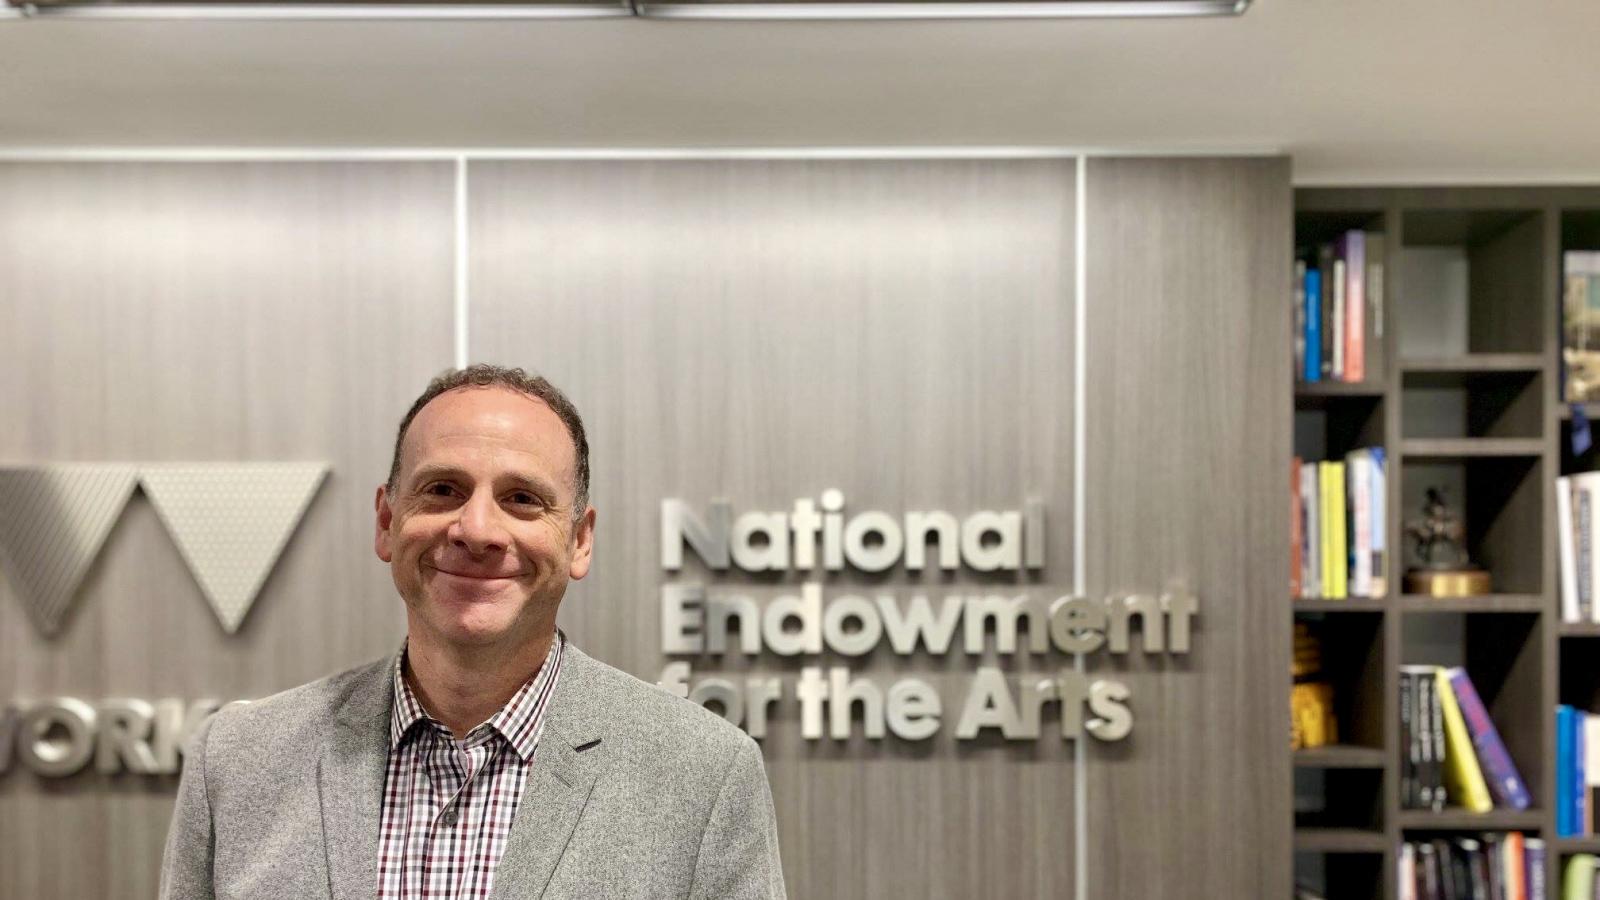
(448, 804)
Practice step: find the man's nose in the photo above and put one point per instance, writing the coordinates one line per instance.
(478, 528)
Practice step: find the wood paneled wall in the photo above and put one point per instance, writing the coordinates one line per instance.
(754, 331)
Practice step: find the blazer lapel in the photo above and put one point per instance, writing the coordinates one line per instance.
(569, 758)
(350, 775)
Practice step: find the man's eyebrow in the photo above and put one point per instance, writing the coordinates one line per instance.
(537, 484)
(432, 471)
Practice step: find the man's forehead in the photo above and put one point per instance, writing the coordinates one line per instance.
(492, 417)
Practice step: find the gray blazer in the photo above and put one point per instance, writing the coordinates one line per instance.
(633, 793)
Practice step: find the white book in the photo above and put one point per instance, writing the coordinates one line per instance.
(1408, 872)
(1311, 559)
(1570, 611)
(1586, 531)
(1359, 495)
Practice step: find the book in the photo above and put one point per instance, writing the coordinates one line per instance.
(1411, 744)
(1358, 499)
(1325, 283)
(1463, 776)
(1439, 751)
(1380, 523)
(1300, 319)
(1408, 872)
(1424, 736)
(1338, 549)
(1567, 551)
(1515, 873)
(1586, 533)
(1313, 328)
(1591, 783)
(1311, 513)
(1297, 527)
(1430, 884)
(1325, 506)
(1577, 878)
(1338, 335)
(1533, 867)
(1504, 781)
(1374, 297)
(1580, 326)
(1355, 330)
(1566, 770)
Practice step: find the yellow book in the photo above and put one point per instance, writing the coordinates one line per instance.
(1325, 528)
(1463, 776)
(1341, 551)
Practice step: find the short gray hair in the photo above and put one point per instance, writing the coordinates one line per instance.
(483, 375)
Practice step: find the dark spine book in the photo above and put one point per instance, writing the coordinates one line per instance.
(1452, 872)
(1325, 264)
(1375, 264)
(1427, 751)
(1428, 869)
(1494, 852)
(1477, 866)
(1410, 792)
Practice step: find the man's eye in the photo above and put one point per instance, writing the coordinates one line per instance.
(523, 498)
(439, 490)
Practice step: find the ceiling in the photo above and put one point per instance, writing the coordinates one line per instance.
(1355, 90)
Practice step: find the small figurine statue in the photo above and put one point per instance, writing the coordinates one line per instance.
(1437, 537)
(1437, 534)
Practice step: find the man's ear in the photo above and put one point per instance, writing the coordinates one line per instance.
(385, 518)
(582, 545)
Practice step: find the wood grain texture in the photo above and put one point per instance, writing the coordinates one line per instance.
(755, 331)
(1188, 423)
(165, 312)
(763, 331)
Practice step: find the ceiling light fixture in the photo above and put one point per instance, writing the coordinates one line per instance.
(934, 9)
(295, 11)
(759, 10)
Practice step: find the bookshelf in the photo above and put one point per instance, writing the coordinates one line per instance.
(1463, 392)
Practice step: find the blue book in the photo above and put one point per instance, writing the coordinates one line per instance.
(1580, 787)
(1533, 868)
(1566, 727)
(1380, 549)
(1504, 781)
(1313, 325)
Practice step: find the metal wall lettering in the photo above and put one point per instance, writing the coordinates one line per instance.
(61, 736)
(801, 621)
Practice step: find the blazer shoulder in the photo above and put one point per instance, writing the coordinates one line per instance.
(606, 700)
(293, 716)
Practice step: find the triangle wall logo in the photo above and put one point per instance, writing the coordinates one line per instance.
(53, 521)
(231, 521)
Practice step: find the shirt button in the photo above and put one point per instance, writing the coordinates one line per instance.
(449, 816)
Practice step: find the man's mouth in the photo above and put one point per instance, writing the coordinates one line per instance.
(476, 576)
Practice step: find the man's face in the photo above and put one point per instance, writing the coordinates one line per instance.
(480, 533)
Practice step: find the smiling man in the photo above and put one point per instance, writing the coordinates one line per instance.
(490, 758)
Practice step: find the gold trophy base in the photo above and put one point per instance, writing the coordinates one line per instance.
(1448, 582)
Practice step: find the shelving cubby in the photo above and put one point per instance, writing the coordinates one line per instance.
(1342, 828)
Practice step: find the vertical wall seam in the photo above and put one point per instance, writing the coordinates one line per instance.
(461, 285)
(1080, 773)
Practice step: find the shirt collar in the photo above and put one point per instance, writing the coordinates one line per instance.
(519, 722)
